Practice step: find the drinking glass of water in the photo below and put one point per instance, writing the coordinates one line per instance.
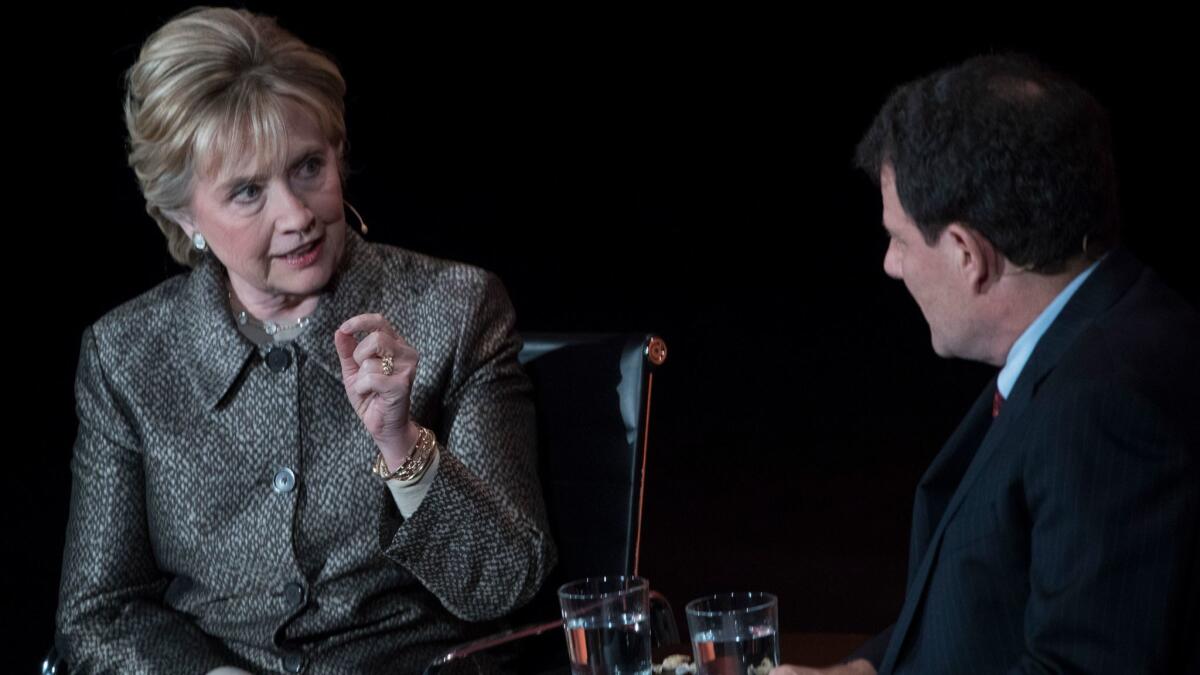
(734, 633)
(607, 621)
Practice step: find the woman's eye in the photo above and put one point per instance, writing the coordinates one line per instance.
(311, 167)
(247, 193)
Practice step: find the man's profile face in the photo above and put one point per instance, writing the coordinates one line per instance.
(929, 272)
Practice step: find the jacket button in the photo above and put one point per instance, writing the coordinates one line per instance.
(293, 594)
(278, 359)
(284, 481)
(292, 662)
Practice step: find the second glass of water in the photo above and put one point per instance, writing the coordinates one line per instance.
(734, 633)
(607, 620)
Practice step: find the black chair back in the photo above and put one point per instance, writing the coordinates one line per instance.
(592, 396)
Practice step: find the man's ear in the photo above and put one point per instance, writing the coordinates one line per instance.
(974, 256)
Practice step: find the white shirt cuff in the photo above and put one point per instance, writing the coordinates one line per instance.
(409, 494)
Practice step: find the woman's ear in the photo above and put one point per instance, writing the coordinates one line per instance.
(182, 218)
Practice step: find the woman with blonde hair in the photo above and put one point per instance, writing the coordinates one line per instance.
(309, 453)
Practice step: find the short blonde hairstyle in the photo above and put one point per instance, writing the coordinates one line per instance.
(209, 86)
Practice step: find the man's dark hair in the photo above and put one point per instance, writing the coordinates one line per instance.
(1007, 147)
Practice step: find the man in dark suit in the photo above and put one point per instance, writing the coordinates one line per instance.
(1056, 531)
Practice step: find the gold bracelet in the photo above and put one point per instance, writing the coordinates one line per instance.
(416, 464)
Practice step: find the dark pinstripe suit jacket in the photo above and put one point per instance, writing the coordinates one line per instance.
(180, 554)
(1062, 537)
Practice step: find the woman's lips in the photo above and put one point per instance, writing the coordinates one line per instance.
(305, 255)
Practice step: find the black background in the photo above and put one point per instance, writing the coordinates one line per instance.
(686, 173)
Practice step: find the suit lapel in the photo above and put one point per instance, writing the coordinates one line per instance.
(945, 473)
(958, 458)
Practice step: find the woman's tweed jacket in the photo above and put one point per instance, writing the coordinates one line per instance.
(181, 555)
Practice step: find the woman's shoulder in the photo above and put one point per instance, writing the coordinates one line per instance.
(145, 310)
(145, 321)
(426, 274)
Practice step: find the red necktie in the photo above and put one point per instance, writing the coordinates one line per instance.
(997, 403)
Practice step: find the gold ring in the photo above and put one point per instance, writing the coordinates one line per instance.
(388, 366)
